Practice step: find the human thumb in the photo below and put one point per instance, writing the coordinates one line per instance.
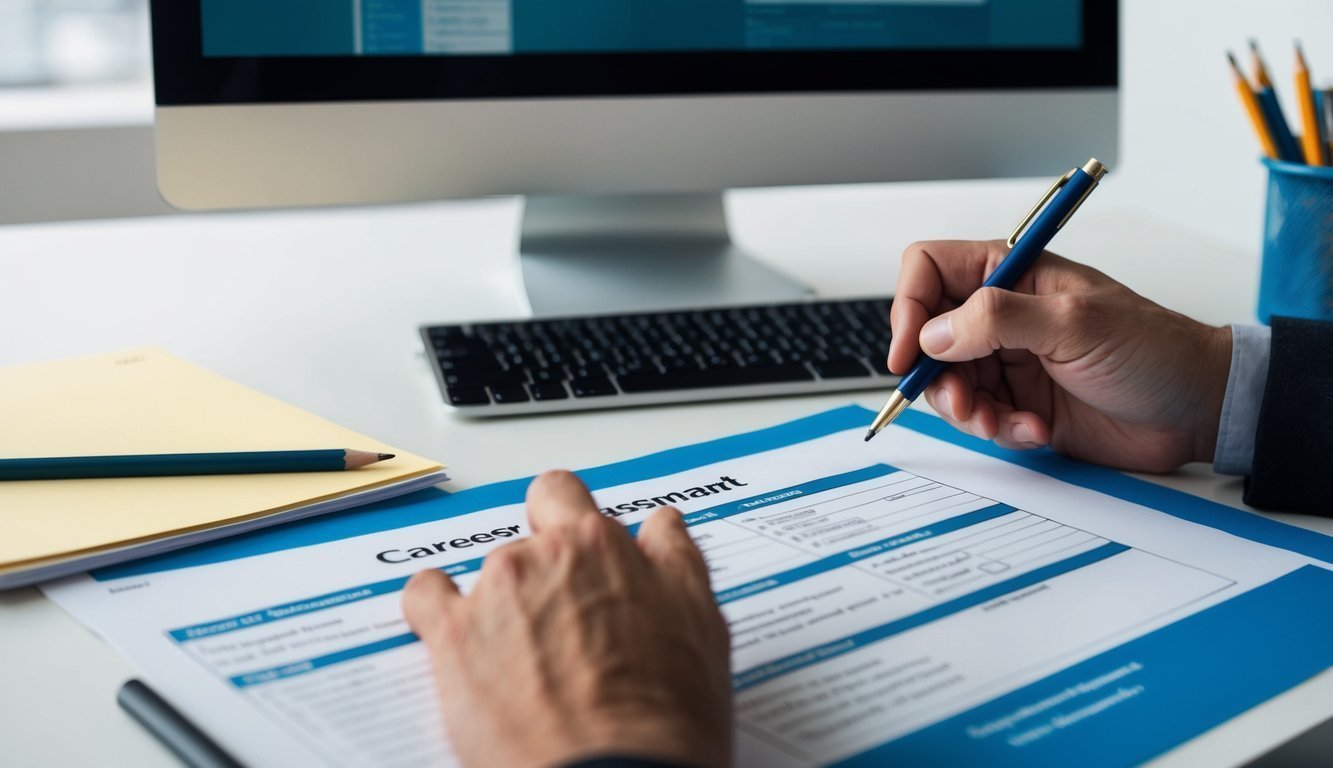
(991, 319)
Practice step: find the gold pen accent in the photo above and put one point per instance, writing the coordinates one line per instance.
(896, 405)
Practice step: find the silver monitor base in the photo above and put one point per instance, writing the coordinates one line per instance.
(598, 255)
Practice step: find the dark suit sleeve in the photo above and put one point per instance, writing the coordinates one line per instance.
(1293, 445)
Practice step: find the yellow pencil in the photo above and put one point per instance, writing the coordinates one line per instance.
(1251, 104)
(1314, 154)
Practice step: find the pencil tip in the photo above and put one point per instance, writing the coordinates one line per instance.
(386, 456)
(869, 435)
(1254, 45)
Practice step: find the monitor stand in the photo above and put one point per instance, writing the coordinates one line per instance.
(594, 255)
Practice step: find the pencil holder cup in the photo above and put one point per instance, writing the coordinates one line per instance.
(1297, 275)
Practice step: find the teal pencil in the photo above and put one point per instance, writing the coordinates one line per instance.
(1287, 146)
(167, 464)
(1325, 118)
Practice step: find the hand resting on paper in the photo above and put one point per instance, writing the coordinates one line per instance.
(1069, 358)
(580, 642)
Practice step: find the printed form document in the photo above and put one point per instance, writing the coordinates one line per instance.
(924, 599)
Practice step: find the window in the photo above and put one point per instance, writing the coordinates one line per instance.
(73, 42)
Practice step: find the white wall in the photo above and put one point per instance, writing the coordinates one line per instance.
(1186, 145)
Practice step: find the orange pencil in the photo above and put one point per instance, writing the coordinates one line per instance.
(1251, 104)
(1314, 154)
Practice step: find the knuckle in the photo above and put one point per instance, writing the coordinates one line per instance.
(992, 303)
(440, 631)
(504, 563)
(551, 545)
(918, 249)
(555, 476)
(1073, 308)
(450, 634)
(671, 515)
(593, 530)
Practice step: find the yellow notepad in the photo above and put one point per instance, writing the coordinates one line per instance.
(147, 401)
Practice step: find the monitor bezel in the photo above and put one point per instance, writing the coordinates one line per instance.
(184, 76)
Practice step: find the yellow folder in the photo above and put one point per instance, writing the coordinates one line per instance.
(147, 401)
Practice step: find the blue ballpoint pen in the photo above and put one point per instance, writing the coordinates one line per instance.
(1026, 244)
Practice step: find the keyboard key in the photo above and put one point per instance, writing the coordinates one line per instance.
(470, 363)
(549, 391)
(509, 394)
(468, 396)
(449, 350)
(446, 331)
(841, 368)
(484, 378)
(714, 377)
(592, 387)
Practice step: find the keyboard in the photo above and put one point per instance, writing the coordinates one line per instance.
(621, 360)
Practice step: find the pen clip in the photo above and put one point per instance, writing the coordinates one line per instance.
(1036, 209)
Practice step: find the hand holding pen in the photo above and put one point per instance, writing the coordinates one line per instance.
(1031, 235)
(1067, 358)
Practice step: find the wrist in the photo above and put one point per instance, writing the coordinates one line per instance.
(1213, 368)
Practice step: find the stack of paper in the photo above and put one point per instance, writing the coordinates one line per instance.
(145, 401)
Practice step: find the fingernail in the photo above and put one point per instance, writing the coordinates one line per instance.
(1022, 433)
(936, 336)
(942, 403)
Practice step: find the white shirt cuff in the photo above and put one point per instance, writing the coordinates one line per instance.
(1250, 348)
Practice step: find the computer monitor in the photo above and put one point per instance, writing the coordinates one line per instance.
(622, 121)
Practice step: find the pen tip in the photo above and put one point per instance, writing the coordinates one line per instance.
(386, 456)
(869, 434)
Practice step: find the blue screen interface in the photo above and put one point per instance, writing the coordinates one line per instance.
(507, 27)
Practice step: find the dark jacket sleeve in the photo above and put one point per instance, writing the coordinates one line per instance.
(1293, 445)
(612, 761)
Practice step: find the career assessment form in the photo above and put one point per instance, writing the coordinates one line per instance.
(911, 600)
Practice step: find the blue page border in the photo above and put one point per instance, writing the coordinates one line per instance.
(1186, 677)
(1195, 509)
(433, 504)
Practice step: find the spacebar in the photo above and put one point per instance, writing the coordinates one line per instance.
(716, 377)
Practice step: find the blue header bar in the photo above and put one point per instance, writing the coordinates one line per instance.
(311, 605)
(302, 667)
(790, 492)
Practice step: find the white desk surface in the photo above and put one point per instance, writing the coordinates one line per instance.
(321, 309)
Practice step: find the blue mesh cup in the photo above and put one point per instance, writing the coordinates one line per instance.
(1297, 275)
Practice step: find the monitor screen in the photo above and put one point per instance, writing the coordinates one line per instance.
(281, 28)
(283, 51)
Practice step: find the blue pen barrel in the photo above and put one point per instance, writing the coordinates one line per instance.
(1025, 251)
(917, 379)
